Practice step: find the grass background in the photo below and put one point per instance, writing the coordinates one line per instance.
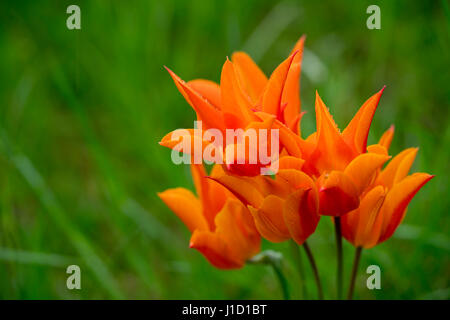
(81, 113)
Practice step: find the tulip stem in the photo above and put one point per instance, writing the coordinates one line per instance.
(354, 272)
(298, 258)
(282, 280)
(274, 259)
(337, 226)
(314, 268)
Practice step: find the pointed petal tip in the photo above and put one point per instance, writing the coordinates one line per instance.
(168, 69)
(317, 95)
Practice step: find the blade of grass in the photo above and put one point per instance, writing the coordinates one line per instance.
(269, 29)
(40, 258)
(149, 224)
(59, 217)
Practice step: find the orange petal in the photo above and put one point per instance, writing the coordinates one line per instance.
(212, 195)
(301, 214)
(272, 98)
(210, 115)
(332, 152)
(337, 194)
(186, 206)
(357, 130)
(296, 179)
(397, 200)
(291, 92)
(289, 162)
(288, 139)
(234, 241)
(369, 210)
(361, 225)
(250, 76)
(269, 219)
(386, 138)
(236, 106)
(207, 89)
(363, 168)
(397, 168)
(242, 189)
(377, 148)
(186, 141)
(215, 250)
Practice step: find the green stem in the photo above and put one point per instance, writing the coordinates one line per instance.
(274, 259)
(298, 258)
(314, 268)
(337, 226)
(354, 272)
(282, 280)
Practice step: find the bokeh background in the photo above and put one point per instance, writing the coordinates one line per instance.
(81, 113)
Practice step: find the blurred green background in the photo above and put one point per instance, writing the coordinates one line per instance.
(81, 113)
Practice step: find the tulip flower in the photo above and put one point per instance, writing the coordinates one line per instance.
(221, 226)
(283, 208)
(245, 99)
(340, 164)
(339, 161)
(383, 205)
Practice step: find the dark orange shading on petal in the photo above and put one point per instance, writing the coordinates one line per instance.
(337, 194)
(301, 214)
(397, 200)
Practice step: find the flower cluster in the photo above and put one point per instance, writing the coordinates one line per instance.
(330, 173)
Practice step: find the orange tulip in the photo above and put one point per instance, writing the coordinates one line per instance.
(221, 226)
(339, 161)
(384, 203)
(283, 208)
(245, 99)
